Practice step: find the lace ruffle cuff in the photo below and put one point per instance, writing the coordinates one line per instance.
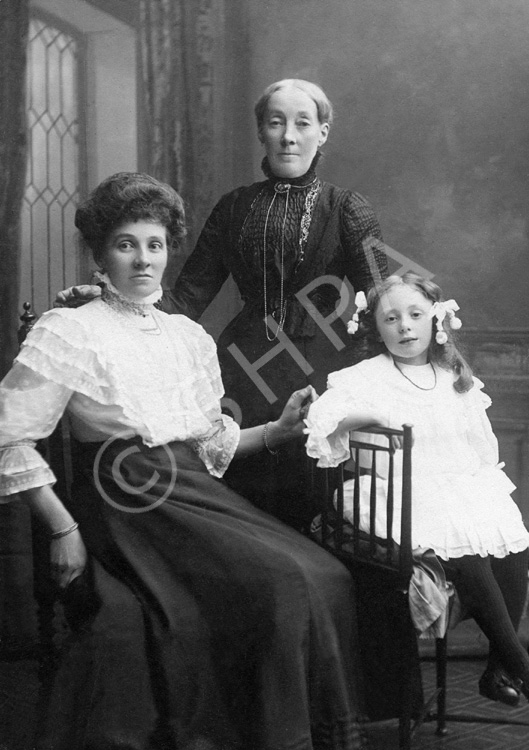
(22, 468)
(323, 418)
(328, 451)
(217, 450)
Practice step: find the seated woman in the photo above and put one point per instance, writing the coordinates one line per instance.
(210, 625)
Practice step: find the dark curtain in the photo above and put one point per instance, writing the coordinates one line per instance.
(18, 625)
(14, 20)
(176, 52)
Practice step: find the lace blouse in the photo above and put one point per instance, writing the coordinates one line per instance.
(116, 373)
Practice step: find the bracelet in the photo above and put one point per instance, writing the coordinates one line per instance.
(64, 532)
(265, 440)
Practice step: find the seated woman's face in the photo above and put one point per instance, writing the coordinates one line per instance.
(135, 258)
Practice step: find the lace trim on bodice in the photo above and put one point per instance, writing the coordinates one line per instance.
(169, 384)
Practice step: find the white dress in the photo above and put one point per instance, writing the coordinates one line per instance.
(163, 385)
(461, 496)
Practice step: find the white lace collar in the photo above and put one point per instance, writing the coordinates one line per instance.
(118, 301)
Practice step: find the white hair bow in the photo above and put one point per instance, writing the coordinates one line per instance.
(440, 310)
(361, 305)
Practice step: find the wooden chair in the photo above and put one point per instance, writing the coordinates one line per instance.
(382, 571)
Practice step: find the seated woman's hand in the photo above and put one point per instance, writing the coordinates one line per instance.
(291, 422)
(75, 296)
(68, 558)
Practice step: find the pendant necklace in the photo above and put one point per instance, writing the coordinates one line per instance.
(420, 387)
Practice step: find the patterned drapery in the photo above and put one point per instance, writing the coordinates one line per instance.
(14, 22)
(177, 46)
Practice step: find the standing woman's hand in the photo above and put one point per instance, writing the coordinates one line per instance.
(75, 296)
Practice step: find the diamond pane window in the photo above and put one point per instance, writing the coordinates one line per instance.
(49, 257)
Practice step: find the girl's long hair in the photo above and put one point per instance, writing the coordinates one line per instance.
(446, 355)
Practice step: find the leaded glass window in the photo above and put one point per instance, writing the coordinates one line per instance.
(50, 259)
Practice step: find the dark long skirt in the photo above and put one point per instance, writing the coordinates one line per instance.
(216, 627)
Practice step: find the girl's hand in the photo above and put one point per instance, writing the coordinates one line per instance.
(397, 442)
(67, 558)
(75, 296)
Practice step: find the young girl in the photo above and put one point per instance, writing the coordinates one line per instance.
(462, 507)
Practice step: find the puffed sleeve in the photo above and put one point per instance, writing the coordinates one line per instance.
(365, 257)
(30, 407)
(479, 428)
(347, 392)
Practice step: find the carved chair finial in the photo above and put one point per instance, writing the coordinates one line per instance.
(28, 319)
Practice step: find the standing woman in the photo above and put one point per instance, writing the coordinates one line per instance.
(277, 238)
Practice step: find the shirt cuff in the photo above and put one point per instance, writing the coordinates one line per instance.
(22, 468)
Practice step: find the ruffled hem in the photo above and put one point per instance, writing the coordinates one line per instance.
(455, 516)
(499, 549)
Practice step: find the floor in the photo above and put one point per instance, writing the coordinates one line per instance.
(463, 698)
(18, 695)
(467, 650)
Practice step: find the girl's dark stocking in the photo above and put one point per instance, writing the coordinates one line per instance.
(494, 591)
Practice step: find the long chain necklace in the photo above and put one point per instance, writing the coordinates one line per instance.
(422, 388)
(285, 187)
(282, 305)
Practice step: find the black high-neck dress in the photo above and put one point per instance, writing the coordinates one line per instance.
(288, 244)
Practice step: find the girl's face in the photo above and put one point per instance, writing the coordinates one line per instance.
(291, 132)
(404, 324)
(135, 258)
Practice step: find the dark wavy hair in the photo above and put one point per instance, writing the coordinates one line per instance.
(447, 356)
(129, 196)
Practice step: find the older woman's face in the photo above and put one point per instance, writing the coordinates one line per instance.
(291, 132)
(135, 258)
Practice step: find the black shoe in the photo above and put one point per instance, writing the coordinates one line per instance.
(496, 686)
(523, 686)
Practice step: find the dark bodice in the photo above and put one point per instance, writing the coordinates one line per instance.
(271, 233)
(319, 228)
(322, 242)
